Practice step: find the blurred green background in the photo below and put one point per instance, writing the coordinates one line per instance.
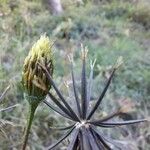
(109, 28)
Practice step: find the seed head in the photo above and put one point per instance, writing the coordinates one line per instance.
(34, 79)
(84, 129)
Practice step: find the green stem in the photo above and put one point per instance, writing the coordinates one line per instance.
(30, 120)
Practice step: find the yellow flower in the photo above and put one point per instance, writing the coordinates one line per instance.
(34, 79)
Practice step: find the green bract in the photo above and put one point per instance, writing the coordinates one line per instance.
(34, 80)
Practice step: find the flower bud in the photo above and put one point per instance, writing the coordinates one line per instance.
(34, 79)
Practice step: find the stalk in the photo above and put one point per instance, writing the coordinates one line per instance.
(29, 123)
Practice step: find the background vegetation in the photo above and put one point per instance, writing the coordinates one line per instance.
(110, 28)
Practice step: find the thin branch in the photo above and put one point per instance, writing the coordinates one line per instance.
(92, 141)
(115, 124)
(99, 144)
(81, 140)
(62, 128)
(85, 138)
(9, 108)
(90, 83)
(73, 140)
(74, 88)
(57, 110)
(102, 140)
(116, 113)
(102, 95)
(102, 125)
(111, 141)
(61, 139)
(4, 93)
(58, 92)
(83, 85)
(61, 106)
(123, 122)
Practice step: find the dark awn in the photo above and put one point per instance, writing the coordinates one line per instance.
(84, 132)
